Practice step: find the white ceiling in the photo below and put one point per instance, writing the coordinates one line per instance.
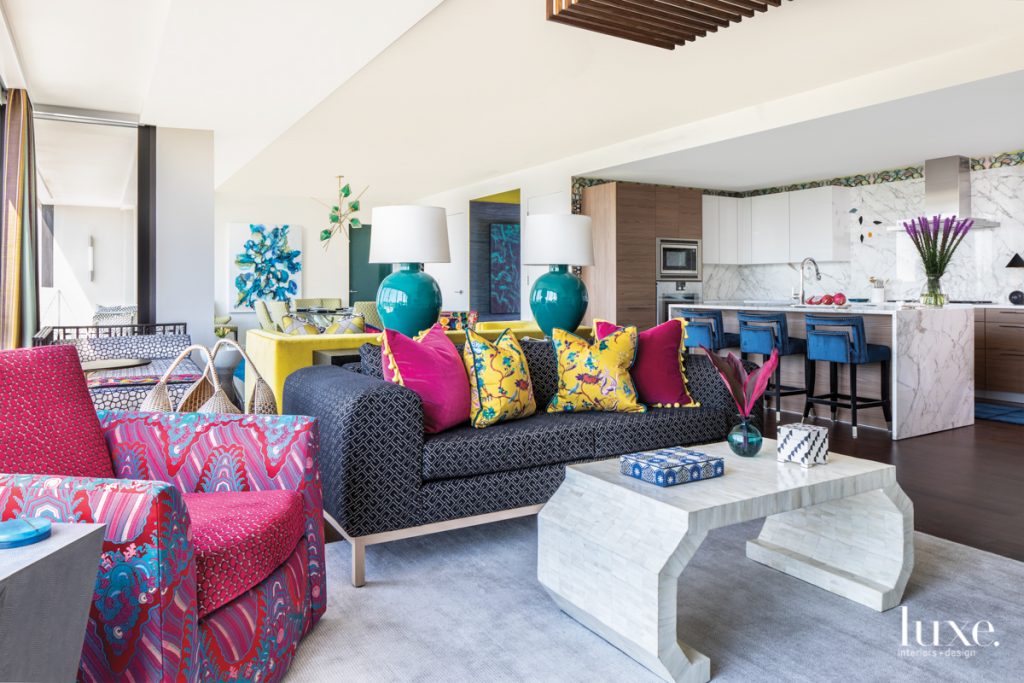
(975, 119)
(247, 69)
(86, 165)
(484, 88)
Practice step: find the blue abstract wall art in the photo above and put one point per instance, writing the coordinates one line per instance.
(504, 268)
(266, 263)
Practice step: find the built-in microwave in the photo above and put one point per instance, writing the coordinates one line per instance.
(678, 259)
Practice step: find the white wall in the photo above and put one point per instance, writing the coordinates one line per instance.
(74, 297)
(185, 230)
(324, 273)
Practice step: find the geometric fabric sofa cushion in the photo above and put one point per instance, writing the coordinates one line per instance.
(47, 422)
(619, 433)
(543, 439)
(240, 538)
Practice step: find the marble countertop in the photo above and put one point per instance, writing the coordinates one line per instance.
(856, 308)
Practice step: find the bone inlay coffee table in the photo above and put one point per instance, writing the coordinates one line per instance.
(611, 548)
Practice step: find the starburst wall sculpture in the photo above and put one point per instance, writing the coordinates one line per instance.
(343, 214)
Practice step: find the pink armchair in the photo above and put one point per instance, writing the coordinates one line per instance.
(213, 555)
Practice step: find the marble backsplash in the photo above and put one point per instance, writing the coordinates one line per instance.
(977, 271)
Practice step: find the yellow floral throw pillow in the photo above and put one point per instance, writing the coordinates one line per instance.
(595, 376)
(499, 379)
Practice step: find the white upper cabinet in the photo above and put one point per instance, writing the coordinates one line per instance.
(784, 227)
(817, 227)
(710, 238)
(743, 226)
(769, 228)
(728, 212)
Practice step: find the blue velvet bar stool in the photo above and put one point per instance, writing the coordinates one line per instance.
(842, 340)
(762, 332)
(705, 328)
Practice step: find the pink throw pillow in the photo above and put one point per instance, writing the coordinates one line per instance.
(431, 366)
(658, 371)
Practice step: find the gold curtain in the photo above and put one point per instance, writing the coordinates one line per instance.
(19, 276)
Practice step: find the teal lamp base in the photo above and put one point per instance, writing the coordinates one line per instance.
(558, 299)
(409, 300)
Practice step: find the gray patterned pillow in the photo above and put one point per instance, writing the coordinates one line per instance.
(131, 346)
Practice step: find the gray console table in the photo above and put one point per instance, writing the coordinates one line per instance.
(45, 592)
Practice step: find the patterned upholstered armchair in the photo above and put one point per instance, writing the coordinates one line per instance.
(213, 556)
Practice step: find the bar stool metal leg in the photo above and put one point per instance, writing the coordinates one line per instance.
(833, 388)
(778, 391)
(853, 398)
(810, 370)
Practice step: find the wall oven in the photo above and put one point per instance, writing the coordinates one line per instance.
(679, 259)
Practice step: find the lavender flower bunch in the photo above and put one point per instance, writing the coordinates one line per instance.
(937, 240)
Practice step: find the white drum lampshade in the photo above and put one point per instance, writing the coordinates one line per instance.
(409, 234)
(553, 238)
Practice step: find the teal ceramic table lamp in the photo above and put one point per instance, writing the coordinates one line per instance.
(559, 297)
(409, 300)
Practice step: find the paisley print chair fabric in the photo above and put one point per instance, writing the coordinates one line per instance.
(140, 626)
(145, 622)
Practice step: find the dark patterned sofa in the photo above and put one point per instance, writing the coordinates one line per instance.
(383, 479)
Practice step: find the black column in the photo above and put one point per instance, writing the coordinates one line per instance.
(146, 220)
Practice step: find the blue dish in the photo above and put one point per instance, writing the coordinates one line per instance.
(15, 533)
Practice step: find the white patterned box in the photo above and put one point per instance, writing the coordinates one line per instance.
(806, 445)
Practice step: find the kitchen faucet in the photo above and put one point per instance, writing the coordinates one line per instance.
(803, 268)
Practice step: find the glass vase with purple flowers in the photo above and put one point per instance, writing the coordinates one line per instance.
(936, 241)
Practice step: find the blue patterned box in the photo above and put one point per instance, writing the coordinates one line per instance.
(671, 466)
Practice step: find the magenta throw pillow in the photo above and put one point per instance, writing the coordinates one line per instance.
(431, 366)
(658, 372)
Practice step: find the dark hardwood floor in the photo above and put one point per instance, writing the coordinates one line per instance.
(967, 484)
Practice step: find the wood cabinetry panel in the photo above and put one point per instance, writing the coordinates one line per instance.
(599, 204)
(1004, 336)
(636, 253)
(1004, 371)
(667, 205)
(690, 207)
(1004, 315)
(999, 349)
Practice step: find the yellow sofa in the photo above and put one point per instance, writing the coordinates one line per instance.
(278, 355)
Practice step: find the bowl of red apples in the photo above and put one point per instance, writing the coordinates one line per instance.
(838, 300)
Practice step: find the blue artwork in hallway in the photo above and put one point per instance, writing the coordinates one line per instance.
(266, 263)
(504, 268)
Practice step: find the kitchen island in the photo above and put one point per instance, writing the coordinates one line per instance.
(932, 362)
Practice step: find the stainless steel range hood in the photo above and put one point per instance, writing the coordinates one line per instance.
(947, 190)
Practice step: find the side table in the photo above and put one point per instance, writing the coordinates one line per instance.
(45, 592)
(335, 356)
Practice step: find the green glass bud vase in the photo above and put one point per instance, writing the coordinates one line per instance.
(745, 439)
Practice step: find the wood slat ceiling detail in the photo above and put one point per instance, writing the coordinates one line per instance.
(661, 23)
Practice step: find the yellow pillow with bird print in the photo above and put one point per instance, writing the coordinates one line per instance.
(595, 376)
(499, 379)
